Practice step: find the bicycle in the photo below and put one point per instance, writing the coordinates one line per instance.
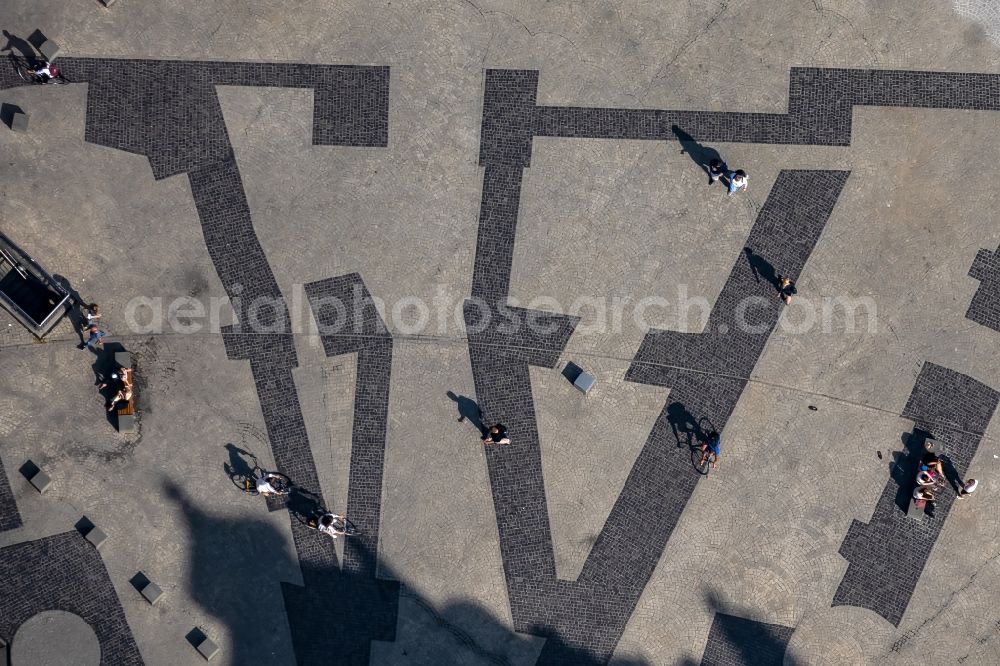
(27, 74)
(331, 524)
(701, 454)
(248, 482)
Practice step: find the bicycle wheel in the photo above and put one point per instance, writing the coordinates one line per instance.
(247, 484)
(700, 464)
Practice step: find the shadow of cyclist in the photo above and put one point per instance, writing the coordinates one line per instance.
(24, 46)
(238, 467)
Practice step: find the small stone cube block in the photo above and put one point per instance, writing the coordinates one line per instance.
(208, 649)
(49, 49)
(126, 423)
(584, 381)
(96, 536)
(41, 481)
(107, 3)
(19, 121)
(152, 593)
(123, 359)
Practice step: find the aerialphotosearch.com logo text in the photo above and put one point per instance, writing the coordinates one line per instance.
(445, 314)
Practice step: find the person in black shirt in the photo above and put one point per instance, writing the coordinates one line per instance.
(497, 435)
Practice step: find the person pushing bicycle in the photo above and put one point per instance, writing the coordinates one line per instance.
(710, 450)
(45, 72)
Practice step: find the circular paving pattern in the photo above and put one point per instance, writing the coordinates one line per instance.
(55, 638)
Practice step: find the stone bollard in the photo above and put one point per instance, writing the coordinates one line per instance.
(584, 382)
(206, 646)
(45, 46)
(35, 476)
(149, 590)
(19, 121)
(95, 535)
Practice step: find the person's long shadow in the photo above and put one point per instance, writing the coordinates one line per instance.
(761, 267)
(699, 154)
(238, 467)
(468, 410)
(903, 469)
(685, 426)
(75, 316)
(24, 46)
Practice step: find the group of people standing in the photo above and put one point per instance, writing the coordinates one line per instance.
(930, 480)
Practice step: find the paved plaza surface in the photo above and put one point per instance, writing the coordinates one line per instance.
(341, 237)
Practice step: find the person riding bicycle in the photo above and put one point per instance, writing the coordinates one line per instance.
(272, 484)
(45, 72)
(710, 450)
(327, 523)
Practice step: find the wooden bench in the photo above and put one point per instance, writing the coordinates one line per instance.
(915, 512)
(126, 414)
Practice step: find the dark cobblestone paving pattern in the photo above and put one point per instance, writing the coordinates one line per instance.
(10, 517)
(985, 306)
(177, 123)
(169, 112)
(735, 641)
(888, 553)
(584, 618)
(706, 372)
(64, 572)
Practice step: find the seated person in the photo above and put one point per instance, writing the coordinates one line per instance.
(930, 461)
(123, 382)
(922, 493)
(926, 477)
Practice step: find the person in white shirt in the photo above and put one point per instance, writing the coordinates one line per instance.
(327, 524)
(737, 181)
(967, 488)
(271, 484)
(91, 313)
(45, 72)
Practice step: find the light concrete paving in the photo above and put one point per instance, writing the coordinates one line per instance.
(598, 219)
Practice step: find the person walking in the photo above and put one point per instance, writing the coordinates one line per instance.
(91, 313)
(496, 435)
(967, 488)
(44, 72)
(716, 169)
(96, 337)
(737, 181)
(786, 289)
